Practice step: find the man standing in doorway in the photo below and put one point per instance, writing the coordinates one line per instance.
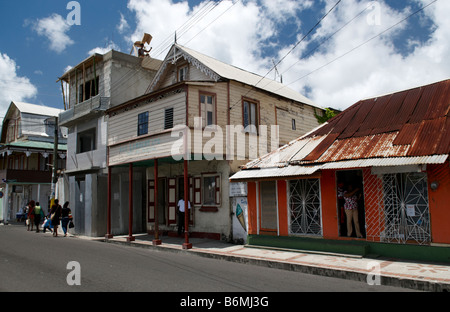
(181, 215)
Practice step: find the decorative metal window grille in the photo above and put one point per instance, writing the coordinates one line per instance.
(304, 205)
(406, 208)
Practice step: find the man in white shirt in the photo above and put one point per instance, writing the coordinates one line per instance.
(181, 215)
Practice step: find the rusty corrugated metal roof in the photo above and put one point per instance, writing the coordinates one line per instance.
(407, 123)
(411, 123)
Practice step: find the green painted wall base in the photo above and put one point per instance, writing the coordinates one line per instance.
(355, 247)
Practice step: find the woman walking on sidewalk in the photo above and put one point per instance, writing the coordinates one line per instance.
(55, 215)
(65, 213)
(30, 215)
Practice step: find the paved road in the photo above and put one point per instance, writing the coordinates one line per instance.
(32, 261)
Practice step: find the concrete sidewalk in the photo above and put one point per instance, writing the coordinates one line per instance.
(412, 275)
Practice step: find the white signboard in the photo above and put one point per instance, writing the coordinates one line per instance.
(238, 189)
(410, 211)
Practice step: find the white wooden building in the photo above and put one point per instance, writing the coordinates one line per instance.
(195, 99)
(26, 157)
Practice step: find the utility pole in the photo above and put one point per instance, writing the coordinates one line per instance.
(55, 164)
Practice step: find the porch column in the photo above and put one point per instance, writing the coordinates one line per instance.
(156, 240)
(108, 203)
(186, 244)
(130, 237)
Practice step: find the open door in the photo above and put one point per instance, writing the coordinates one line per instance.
(351, 223)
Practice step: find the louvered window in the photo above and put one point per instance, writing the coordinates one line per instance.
(168, 118)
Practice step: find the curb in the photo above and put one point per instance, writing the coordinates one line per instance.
(408, 283)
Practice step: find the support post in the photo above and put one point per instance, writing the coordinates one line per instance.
(186, 244)
(156, 240)
(55, 164)
(130, 237)
(108, 202)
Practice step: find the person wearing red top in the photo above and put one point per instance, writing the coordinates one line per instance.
(30, 215)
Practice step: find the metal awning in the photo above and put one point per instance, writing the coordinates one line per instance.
(285, 172)
(386, 162)
(299, 170)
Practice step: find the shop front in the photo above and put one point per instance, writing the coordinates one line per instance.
(396, 212)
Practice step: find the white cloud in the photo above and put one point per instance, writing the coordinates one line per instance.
(231, 33)
(13, 87)
(55, 29)
(339, 78)
(103, 50)
(333, 75)
(123, 24)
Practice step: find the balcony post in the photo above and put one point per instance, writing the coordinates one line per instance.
(130, 237)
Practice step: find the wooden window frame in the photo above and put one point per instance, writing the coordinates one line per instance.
(217, 193)
(92, 85)
(140, 122)
(257, 113)
(186, 73)
(201, 111)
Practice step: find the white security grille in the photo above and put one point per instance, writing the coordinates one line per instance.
(406, 208)
(304, 205)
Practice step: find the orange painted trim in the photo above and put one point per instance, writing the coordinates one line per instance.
(283, 220)
(252, 209)
(330, 222)
(438, 201)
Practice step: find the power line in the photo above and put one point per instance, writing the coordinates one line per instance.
(293, 48)
(234, 3)
(362, 44)
(304, 37)
(325, 40)
(191, 22)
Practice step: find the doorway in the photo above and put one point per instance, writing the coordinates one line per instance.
(351, 182)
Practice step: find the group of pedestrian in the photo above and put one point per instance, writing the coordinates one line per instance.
(56, 216)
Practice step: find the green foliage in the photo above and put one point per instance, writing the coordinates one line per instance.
(328, 114)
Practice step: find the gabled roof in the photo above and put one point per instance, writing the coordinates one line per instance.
(411, 126)
(27, 108)
(36, 109)
(218, 70)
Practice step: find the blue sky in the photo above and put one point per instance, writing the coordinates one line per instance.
(342, 60)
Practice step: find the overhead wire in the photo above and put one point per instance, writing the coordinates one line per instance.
(292, 49)
(202, 12)
(183, 29)
(191, 22)
(205, 10)
(362, 44)
(233, 4)
(180, 32)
